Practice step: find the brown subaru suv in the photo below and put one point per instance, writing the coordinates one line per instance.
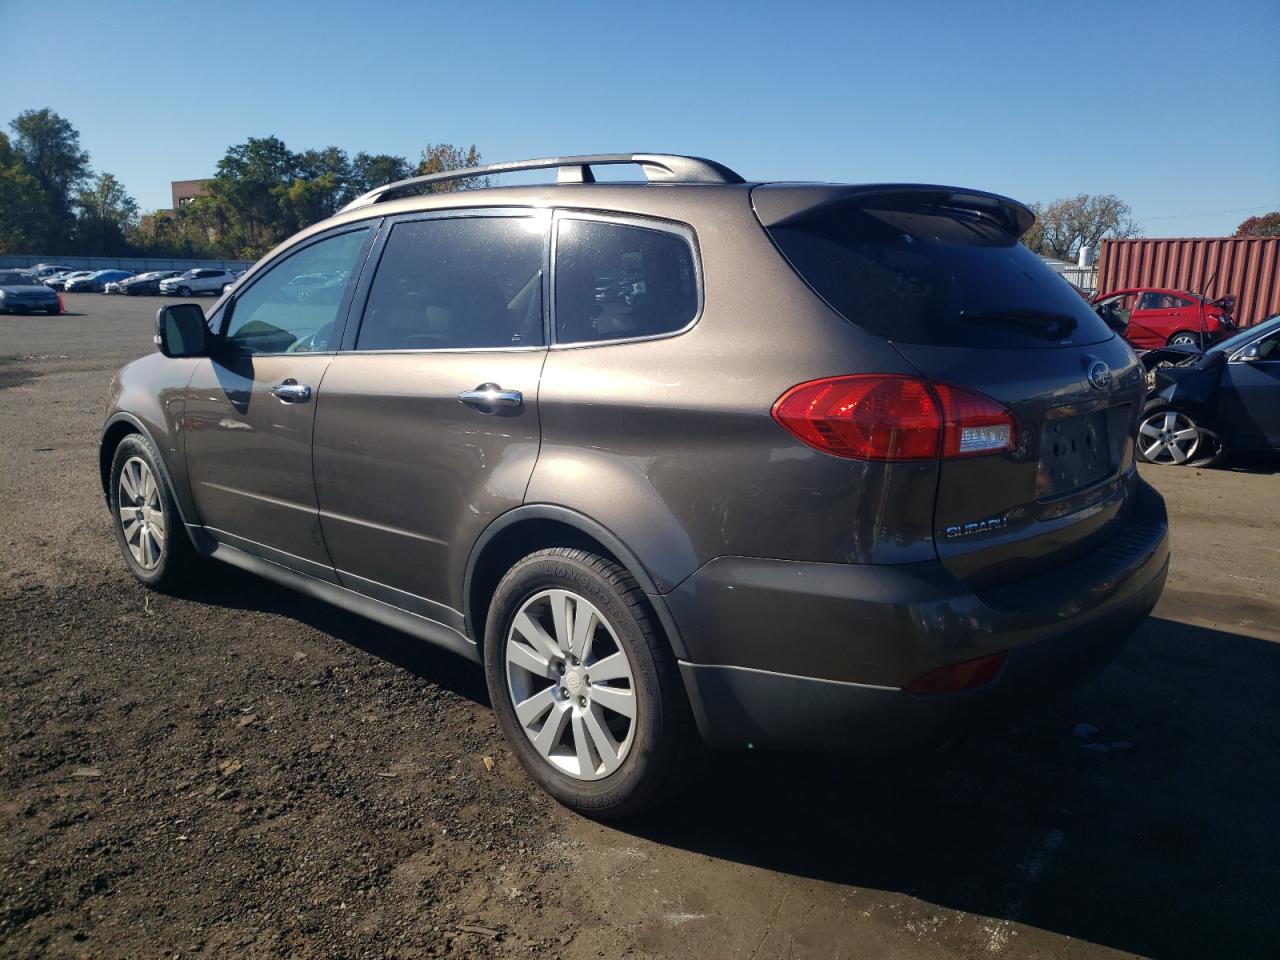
(683, 461)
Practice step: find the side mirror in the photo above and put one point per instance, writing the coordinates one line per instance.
(181, 330)
(1250, 354)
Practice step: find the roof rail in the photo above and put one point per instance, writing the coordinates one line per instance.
(657, 167)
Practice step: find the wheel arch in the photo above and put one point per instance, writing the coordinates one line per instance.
(531, 527)
(122, 425)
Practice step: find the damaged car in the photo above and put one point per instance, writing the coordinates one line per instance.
(1203, 406)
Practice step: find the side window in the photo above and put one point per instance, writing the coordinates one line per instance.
(617, 281)
(1269, 348)
(465, 282)
(293, 307)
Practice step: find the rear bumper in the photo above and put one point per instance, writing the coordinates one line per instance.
(815, 656)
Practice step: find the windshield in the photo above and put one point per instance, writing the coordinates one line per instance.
(10, 279)
(934, 274)
(1238, 340)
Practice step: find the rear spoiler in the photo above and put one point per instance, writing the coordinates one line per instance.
(778, 204)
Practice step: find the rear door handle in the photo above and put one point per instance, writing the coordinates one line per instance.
(489, 397)
(291, 391)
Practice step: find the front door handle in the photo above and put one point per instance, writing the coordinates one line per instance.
(291, 391)
(489, 398)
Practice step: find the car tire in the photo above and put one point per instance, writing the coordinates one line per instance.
(1169, 436)
(596, 760)
(162, 558)
(184, 291)
(1185, 337)
(54, 311)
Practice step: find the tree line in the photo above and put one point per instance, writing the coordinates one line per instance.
(53, 202)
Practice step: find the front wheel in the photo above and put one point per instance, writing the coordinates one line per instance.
(1169, 436)
(184, 291)
(1185, 338)
(585, 689)
(148, 527)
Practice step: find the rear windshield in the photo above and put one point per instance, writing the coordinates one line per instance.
(934, 275)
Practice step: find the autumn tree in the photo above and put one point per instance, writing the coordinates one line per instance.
(444, 157)
(1267, 225)
(1065, 225)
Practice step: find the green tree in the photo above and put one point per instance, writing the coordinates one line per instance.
(23, 204)
(375, 170)
(50, 150)
(1267, 225)
(321, 187)
(243, 207)
(107, 214)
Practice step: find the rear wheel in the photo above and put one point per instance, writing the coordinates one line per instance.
(148, 527)
(1170, 436)
(584, 687)
(1184, 338)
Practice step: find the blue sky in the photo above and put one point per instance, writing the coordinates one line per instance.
(1173, 106)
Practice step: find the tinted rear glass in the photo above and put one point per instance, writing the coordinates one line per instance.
(618, 281)
(934, 275)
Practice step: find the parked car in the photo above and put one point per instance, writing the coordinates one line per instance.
(146, 284)
(1156, 317)
(20, 292)
(1224, 401)
(848, 467)
(59, 280)
(42, 271)
(95, 282)
(200, 280)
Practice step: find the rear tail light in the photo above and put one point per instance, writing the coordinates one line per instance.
(955, 677)
(893, 417)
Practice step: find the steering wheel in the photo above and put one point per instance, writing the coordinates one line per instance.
(308, 343)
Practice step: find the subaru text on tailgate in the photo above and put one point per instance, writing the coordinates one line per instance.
(680, 462)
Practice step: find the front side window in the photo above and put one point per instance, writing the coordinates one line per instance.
(617, 281)
(277, 315)
(458, 284)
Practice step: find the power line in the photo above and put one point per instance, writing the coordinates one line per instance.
(1211, 213)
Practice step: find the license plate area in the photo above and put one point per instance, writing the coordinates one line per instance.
(1076, 451)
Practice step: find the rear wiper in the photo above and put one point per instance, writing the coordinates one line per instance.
(1057, 325)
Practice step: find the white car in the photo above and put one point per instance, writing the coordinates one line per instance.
(200, 280)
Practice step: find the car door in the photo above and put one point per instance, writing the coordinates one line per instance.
(251, 406)
(1152, 320)
(1249, 395)
(428, 425)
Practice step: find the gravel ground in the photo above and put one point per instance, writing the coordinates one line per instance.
(242, 772)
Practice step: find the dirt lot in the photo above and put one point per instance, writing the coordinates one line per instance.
(242, 772)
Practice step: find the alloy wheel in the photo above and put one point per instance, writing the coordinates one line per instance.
(571, 684)
(142, 516)
(1185, 339)
(1168, 436)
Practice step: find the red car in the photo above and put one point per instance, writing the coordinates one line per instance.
(1156, 317)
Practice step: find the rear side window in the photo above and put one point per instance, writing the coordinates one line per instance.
(464, 283)
(934, 274)
(618, 281)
